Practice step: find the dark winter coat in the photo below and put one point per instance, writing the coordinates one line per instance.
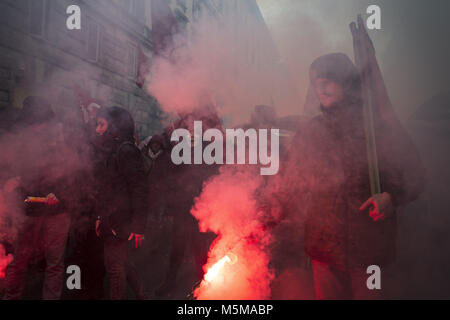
(328, 177)
(176, 186)
(121, 179)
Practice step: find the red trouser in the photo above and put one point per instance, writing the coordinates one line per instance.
(51, 232)
(333, 284)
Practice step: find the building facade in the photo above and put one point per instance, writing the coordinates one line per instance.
(39, 55)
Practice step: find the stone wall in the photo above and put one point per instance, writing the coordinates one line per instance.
(38, 55)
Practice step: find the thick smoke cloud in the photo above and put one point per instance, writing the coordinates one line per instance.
(231, 59)
(410, 47)
(228, 207)
(65, 135)
(214, 64)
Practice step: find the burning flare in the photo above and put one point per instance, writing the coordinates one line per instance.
(214, 271)
(227, 206)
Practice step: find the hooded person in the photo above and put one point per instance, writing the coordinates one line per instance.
(122, 199)
(40, 177)
(176, 188)
(326, 177)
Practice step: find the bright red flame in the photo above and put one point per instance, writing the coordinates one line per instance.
(214, 271)
(227, 207)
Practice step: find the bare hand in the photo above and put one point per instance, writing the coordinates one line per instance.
(138, 238)
(51, 199)
(380, 206)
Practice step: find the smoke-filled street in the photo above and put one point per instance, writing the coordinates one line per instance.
(224, 150)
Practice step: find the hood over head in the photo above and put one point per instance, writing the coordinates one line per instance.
(339, 68)
(120, 123)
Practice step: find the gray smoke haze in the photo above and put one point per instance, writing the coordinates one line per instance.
(242, 60)
(19, 144)
(413, 52)
(239, 63)
(232, 59)
(411, 47)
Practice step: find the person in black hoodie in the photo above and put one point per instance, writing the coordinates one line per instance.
(39, 169)
(326, 181)
(177, 186)
(122, 195)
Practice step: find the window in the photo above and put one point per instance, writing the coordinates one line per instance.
(37, 17)
(132, 61)
(93, 41)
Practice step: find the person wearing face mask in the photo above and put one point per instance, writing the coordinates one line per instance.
(122, 198)
(326, 182)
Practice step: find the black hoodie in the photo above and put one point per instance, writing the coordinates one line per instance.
(329, 162)
(122, 187)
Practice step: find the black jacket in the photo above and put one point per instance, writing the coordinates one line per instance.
(327, 179)
(176, 186)
(120, 175)
(122, 190)
(332, 173)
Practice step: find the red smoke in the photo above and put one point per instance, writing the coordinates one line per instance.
(237, 266)
(5, 260)
(232, 59)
